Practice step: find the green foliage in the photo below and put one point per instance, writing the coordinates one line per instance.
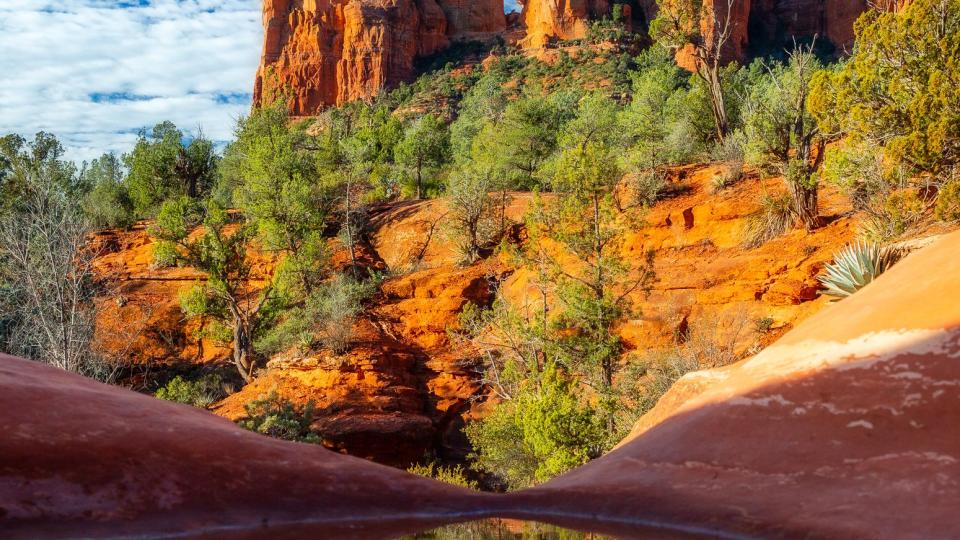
(473, 212)
(780, 132)
(662, 118)
(108, 203)
(201, 392)
(326, 317)
(544, 431)
(280, 190)
(855, 267)
(22, 163)
(423, 150)
(276, 417)
(161, 167)
(898, 90)
(230, 295)
(455, 475)
(858, 168)
(892, 215)
(525, 137)
(948, 201)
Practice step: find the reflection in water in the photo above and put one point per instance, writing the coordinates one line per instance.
(503, 529)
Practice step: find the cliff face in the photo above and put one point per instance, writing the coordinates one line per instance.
(328, 52)
(773, 22)
(560, 19)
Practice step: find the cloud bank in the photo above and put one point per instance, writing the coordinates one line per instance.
(95, 72)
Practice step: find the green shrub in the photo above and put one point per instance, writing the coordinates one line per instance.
(649, 186)
(108, 203)
(276, 417)
(948, 201)
(201, 392)
(855, 266)
(544, 431)
(892, 215)
(455, 475)
(764, 324)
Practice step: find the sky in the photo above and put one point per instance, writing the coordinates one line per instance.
(96, 72)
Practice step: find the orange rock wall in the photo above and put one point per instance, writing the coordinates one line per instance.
(560, 19)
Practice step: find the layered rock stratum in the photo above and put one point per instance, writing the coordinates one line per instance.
(321, 53)
(848, 427)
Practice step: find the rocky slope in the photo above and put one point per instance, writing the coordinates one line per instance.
(404, 390)
(329, 52)
(847, 428)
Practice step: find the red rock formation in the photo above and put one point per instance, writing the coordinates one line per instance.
(328, 52)
(467, 19)
(82, 459)
(559, 19)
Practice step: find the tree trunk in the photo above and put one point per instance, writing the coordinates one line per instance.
(717, 104)
(242, 350)
(805, 204)
(419, 181)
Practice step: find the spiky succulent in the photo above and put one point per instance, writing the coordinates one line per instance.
(855, 266)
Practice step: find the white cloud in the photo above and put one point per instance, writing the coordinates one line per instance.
(93, 72)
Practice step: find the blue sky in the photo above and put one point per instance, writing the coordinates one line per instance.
(95, 72)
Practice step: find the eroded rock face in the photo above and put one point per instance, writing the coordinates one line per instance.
(319, 53)
(563, 19)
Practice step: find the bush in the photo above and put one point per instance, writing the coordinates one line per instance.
(774, 218)
(856, 266)
(731, 175)
(276, 417)
(108, 203)
(455, 475)
(649, 186)
(544, 431)
(948, 201)
(858, 170)
(892, 215)
(201, 392)
(327, 317)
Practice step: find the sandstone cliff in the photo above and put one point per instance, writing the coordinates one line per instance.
(328, 52)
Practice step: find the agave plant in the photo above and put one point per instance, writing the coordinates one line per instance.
(855, 266)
